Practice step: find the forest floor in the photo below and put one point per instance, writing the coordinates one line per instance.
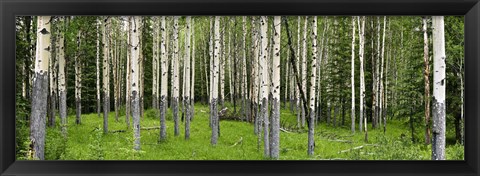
(237, 141)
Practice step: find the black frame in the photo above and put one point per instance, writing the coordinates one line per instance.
(9, 9)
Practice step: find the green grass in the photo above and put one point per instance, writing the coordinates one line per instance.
(87, 141)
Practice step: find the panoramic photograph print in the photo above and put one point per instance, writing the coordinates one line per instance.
(239, 88)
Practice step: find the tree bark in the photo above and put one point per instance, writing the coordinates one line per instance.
(264, 84)
(426, 77)
(361, 27)
(106, 77)
(187, 65)
(62, 92)
(438, 137)
(135, 99)
(164, 86)
(175, 76)
(78, 82)
(353, 75)
(40, 88)
(311, 126)
(98, 68)
(214, 82)
(276, 92)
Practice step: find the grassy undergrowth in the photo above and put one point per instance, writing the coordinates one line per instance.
(237, 141)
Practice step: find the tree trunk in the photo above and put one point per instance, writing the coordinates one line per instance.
(175, 76)
(264, 85)
(426, 77)
(192, 87)
(187, 65)
(40, 88)
(98, 67)
(214, 82)
(298, 61)
(62, 92)
(78, 82)
(304, 67)
(382, 95)
(164, 86)
(106, 77)
(276, 92)
(438, 142)
(353, 75)
(155, 48)
(135, 99)
(255, 79)
(244, 71)
(311, 126)
(52, 81)
(128, 75)
(361, 27)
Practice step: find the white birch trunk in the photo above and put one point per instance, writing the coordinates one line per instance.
(276, 89)
(187, 90)
(164, 86)
(155, 48)
(98, 68)
(304, 66)
(439, 86)
(353, 75)
(264, 83)
(382, 96)
(214, 82)
(62, 92)
(78, 82)
(40, 88)
(106, 78)
(361, 27)
(313, 62)
(135, 98)
(175, 76)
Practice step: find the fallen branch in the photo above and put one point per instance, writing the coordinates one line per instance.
(354, 148)
(284, 130)
(344, 141)
(238, 142)
(142, 128)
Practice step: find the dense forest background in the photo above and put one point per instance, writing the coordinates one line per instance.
(394, 74)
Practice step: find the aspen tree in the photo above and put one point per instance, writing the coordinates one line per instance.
(98, 67)
(313, 62)
(52, 81)
(214, 82)
(175, 76)
(304, 66)
(78, 81)
(264, 83)
(299, 124)
(40, 89)
(164, 86)
(426, 77)
(382, 55)
(192, 87)
(128, 73)
(155, 48)
(276, 92)
(438, 113)
(353, 75)
(62, 92)
(186, 79)
(361, 27)
(244, 70)
(135, 33)
(106, 77)
(255, 78)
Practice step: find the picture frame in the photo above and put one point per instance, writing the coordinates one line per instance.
(9, 9)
